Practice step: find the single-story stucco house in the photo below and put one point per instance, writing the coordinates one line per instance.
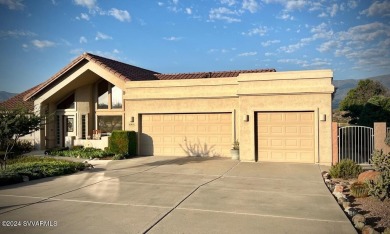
(275, 116)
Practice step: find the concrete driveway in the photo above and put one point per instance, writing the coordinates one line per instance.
(176, 195)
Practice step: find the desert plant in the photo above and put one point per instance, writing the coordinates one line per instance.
(380, 188)
(359, 189)
(346, 169)
(236, 145)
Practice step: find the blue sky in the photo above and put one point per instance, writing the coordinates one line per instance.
(38, 38)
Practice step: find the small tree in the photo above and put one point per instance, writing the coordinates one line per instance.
(14, 124)
(357, 98)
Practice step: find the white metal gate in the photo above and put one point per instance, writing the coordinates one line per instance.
(356, 143)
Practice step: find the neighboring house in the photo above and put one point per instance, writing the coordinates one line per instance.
(18, 102)
(276, 116)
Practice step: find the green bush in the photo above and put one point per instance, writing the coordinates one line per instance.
(9, 177)
(123, 142)
(118, 157)
(82, 153)
(346, 169)
(359, 189)
(23, 146)
(381, 188)
(37, 167)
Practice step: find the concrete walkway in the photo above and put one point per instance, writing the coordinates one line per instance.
(176, 195)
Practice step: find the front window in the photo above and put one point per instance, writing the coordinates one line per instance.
(109, 96)
(109, 123)
(67, 103)
(116, 98)
(103, 95)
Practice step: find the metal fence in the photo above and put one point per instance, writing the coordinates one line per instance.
(356, 143)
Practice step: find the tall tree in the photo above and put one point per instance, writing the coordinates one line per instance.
(14, 124)
(358, 97)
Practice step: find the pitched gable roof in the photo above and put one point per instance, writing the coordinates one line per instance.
(129, 72)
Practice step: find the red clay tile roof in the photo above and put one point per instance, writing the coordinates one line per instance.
(122, 70)
(18, 102)
(128, 72)
(201, 75)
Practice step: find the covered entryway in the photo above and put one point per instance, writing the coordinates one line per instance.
(285, 136)
(198, 134)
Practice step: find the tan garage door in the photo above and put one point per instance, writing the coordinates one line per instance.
(186, 134)
(285, 136)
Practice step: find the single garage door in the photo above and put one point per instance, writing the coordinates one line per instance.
(285, 136)
(203, 134)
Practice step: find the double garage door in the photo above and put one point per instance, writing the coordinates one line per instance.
(280, 136)
(200, 134)
(285, 136)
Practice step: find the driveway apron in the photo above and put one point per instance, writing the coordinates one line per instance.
(176, 195)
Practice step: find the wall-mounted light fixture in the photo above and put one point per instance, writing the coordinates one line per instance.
(323, 117)
(245, 118)
(132, 119)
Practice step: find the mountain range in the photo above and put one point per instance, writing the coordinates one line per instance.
(6, 95)
(343, 86)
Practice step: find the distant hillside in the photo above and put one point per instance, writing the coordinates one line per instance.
(6, 95)
(343, 86)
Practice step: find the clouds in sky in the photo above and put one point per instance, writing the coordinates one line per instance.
(42, 44)
(13, 4)
(121, 15)
(285, 34)
(102, 36)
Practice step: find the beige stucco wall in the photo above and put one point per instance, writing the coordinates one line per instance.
(287, 91)
(244, 95)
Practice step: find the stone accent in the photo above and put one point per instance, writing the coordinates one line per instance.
(368, 175)
(338, 188)
(358, 218)
(369, 230)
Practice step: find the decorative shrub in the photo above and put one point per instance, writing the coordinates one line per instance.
(123, 142)
(387, 140)
(346, 169)
(359, 189)
(77, 147)
(22, 146)
(83, 153)
(118, 157)
(381, 188)
(37, 167)
(236, 145)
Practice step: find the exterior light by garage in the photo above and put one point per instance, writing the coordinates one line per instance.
(245, 118)
(132, 119)
(323, 117)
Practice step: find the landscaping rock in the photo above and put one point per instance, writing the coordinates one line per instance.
(339, 195)
(326, 175)
(346, 204)
(359, 218)
(338, 188)
(328, 181)
(341, 200)
(369, 175)
(351, 211)
(369, 230)
(359, 225)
